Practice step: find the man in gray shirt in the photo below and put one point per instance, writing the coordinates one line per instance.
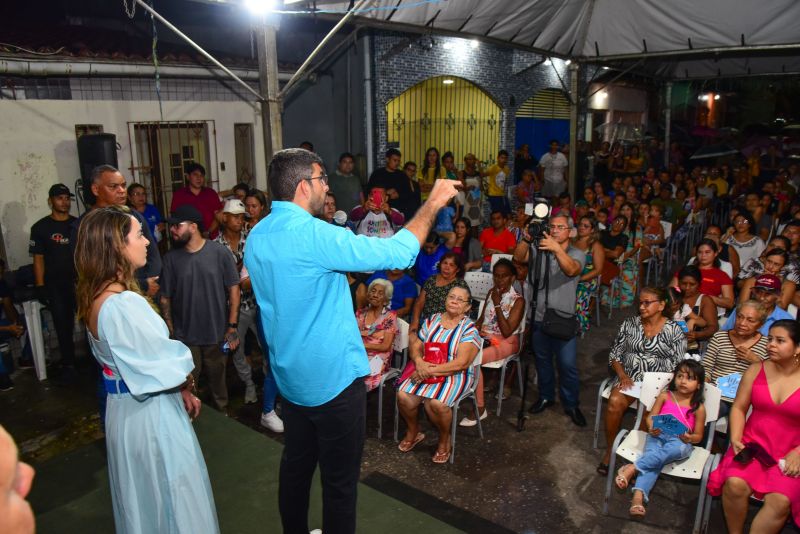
(200, 297)
(563, 265)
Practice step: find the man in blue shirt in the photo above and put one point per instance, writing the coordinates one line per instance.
(297, 265)
(766, 290)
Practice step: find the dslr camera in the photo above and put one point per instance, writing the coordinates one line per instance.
(539, 211)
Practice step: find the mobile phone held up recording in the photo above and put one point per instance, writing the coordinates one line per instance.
(376, 197)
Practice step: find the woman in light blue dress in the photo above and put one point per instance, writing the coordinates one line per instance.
(159, 481)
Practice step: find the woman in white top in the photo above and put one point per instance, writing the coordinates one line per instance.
(747, 245)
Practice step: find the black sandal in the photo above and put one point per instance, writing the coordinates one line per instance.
(602, 469)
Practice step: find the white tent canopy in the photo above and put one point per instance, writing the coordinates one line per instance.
(689, 38)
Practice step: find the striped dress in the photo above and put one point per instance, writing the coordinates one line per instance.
(454, 385)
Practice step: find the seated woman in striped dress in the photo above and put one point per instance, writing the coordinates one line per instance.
(439, 385)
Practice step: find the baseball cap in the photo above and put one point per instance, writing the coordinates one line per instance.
(768, 282)
(58, 190)
(581, 202)
(186, 213)
(233, 206)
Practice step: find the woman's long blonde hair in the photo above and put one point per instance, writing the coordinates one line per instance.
(99, 257)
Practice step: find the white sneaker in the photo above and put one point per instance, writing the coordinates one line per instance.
(250, 396)
(315, 531)
(468, 421)
(272, 422)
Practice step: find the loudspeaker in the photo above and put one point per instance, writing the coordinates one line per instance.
(94, 150)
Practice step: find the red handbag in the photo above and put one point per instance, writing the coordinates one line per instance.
(435, 353)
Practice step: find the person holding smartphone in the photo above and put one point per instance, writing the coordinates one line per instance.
(375, 218)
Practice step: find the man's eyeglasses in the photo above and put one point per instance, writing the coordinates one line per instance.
(322, 178)
(558, 227)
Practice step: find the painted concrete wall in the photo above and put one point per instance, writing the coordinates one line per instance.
(38, 149)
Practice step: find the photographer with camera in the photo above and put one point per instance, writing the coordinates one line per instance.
(555, 267)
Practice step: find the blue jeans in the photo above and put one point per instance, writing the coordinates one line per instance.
(270, 386)
(658, 452)
(547, 348)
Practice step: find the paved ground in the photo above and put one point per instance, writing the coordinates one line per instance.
(540, 480)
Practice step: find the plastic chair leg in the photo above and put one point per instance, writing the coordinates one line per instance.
(500, 388)
(597, 416)
(477, 415)
(380, 410)
(396, 418)
(453, 427)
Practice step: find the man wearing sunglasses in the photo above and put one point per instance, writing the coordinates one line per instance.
(298, 265)
(562, 266)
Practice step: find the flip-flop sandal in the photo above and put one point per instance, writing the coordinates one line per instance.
(637, 511)
(406, 446)
(621, 480)
(441, 457)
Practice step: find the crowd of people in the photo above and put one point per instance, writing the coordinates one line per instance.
(236, 264)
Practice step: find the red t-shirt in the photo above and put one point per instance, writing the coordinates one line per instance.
(504, 241)
(207, 203)
(713, 280)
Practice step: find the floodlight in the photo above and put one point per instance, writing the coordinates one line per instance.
(259, 7)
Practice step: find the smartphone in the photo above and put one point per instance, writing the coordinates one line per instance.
(377, 197)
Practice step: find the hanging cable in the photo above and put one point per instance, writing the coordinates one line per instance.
(155, 63)
(9, 45)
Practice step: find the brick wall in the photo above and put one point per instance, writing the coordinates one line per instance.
(402, 60)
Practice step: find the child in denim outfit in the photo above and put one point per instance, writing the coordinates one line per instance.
(684, 400)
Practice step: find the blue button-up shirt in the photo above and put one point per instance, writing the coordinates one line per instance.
(297, 264)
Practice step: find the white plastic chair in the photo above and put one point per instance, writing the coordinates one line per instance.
(604, 392)
(468, 392)
(400, 345)
(479, 284)
(496, 257)
(630, 446)
(503, 364)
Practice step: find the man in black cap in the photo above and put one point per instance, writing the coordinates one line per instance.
(200, 297)
(54, 270)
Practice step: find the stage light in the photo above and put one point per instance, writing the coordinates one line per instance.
(548, 62)
(716, 97)
(259, 7)
(567, 62)
(448, 81)
(447, 45)
(474, 43)
(603, 94)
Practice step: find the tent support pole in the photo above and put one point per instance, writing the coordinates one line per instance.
(574, 71)
(667, 122)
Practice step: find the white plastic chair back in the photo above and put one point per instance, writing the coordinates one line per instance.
(713, 396)
(726, 267)
(479, 284)
(667, 226)
(401, 339)
(496, 257)
(792, 310)
(652, 386)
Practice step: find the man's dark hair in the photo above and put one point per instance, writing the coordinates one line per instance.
(330, 194)
(410, 163)
(345, 155)
(432, 237)
(134, 186)
(241, 187)
(392, 152)
(309, 144)
(793, 222)
(191, 167)
(553, 141)
(287, 169)
(502, 153)
(99, 171)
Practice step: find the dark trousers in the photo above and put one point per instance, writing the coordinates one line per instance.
(61, 303)
(332, 435)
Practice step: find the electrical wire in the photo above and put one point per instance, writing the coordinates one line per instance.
(155, 64)
(32, 51)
